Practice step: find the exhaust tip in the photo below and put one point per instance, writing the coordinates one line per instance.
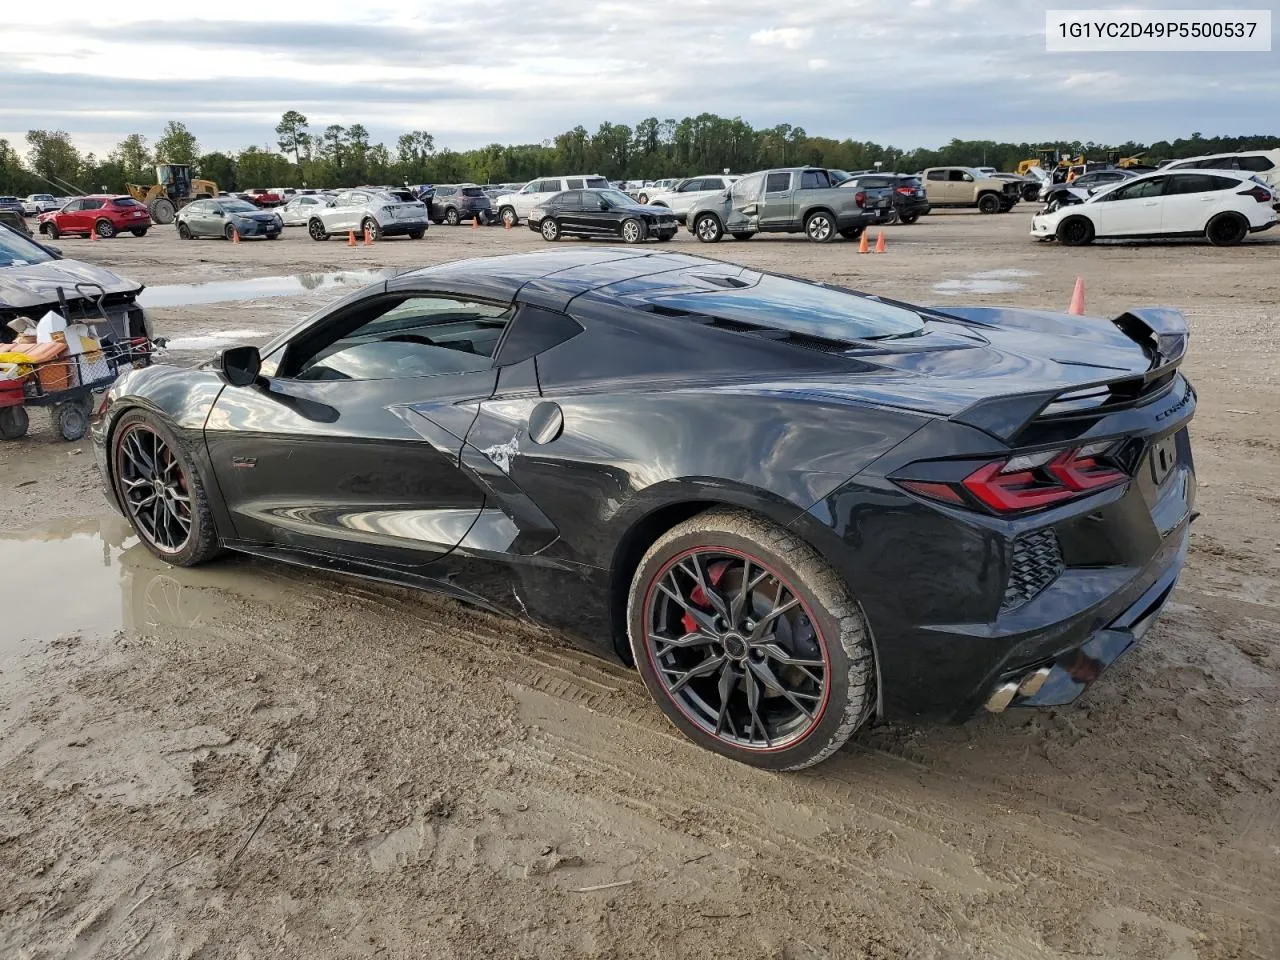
(1002, 697)
(1032, 682)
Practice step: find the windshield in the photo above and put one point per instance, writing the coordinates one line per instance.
(617, 198)
(238, 206)
(799, 306)
(17, 251)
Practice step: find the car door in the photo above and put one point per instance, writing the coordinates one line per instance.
(1190, 201)
(1129, 210)
(68, 219)
(741, 211)
(348, 446)
(338, 213)
(936, 186)
(572, 210)
(959, 186)
(685, 196)
(777, 202)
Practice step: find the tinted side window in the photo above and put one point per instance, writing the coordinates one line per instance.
(575, 183)
(937, 175)
(597, 183)
(93, 204)
(814, 180)
(574, 200)
(1196, 183)
(551, 186)
(713, 183)
(1136, 191)
(955, 175)
(1256, 164)
(777, 182)
(414, 337)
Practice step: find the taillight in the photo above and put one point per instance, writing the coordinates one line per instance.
(860, 198)
(1027, 482)
(906, 191)
(1261, 194)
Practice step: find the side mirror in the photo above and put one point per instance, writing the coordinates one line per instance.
(239, 366)
(218, 213)
(968, 179)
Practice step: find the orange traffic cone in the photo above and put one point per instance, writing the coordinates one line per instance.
(880, 242)
(351, 238)
(1077, 298)
(368, 237)
(506, 224)
(93, 232)
(475, 222)
(235, 235)
(863, 246)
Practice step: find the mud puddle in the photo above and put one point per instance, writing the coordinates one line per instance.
(988, 281)
(222, 291)
(215, 340)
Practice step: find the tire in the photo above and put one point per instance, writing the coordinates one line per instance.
(162, 211)
(315, 228)
(13, 422)
(665, 237)
(417, 234)
(853, 233)
(633, 231)
(1226, 230)
(908, 218)
(747, 235)
(437, 220)
(104, 228)
(139, 231)
(988, 203)
(185, 232)
(71, 418)
(371, 227)
(52, 230)
(708, 228)
(229, 231)
(202, 542)
(273, 236)
(550, 230)
(1075, 232)
(820, 227)
(826, 632)
(451, 217)
(508, 216)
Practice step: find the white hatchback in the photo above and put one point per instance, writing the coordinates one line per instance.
(1224, 206)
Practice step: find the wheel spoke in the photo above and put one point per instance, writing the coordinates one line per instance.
(771, 682)
(762, 626)
(704, 669)
(686, 642)
(703, 619)
(699, 574)
(739, 604)
(728, 680)
(753, 705)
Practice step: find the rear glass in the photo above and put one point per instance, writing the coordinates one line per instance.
(909, 181)
(798, 306)
(126, 202)
(472, 192)
(875, 182)
(403, 196)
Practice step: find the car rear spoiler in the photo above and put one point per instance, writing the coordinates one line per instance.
(1163, 334)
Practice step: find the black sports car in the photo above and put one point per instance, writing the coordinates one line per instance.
(792, 506)
(601, 213)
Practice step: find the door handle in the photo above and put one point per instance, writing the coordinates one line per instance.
(1150, 203)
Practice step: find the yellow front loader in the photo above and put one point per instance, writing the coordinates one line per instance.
(172, 191)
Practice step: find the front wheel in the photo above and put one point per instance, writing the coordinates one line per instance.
(163, 497)
(71, 419)
(509, 218)
(707, 228)
(184, 231)
(1226, 230)
(51, 230)
(451, 217)
(750, 642)
(633, 231)
(988, 203)
(105, 229)
(1075, 232)
(317, 230)
(819, 227)
(550, 230)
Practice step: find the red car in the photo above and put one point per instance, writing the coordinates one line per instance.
(262, 197)
(103, 214)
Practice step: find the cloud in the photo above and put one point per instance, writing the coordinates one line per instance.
(475, 72)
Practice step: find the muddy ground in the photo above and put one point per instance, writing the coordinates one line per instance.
(249, 760)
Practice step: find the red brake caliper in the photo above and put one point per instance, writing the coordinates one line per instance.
(698, 596)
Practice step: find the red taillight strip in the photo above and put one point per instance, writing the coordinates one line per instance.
(1083, 473)
(1008, 492)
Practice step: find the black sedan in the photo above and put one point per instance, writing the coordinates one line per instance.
(793, 507)
(229, 219)
(601, 213)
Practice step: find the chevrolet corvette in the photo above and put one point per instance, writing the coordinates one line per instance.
(793, 507)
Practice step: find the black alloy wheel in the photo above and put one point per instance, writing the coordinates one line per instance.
(154, 488)
(315, 227)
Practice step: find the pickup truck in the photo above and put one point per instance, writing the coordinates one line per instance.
(786, 200)
(966, 187)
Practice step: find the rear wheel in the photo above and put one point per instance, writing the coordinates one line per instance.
(104, 228)
(139, 231)
(549, 229)
(13, 422)
(708, 228)
(71, 418)
(1075, 232)
(750, 642)
(417, 234)
(156, 482)
(633, 231)
(162, 211)
(820, 227)
(908, 218)
(316, 228)
(1226, 229)
(852, 233)
(744, 236)
(988, 203)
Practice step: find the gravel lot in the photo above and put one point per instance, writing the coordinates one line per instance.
(249, 760)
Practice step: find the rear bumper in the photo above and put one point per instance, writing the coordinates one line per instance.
(399, 228)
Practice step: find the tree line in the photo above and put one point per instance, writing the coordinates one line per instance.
(337, 156)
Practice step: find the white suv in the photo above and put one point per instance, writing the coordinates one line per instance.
(1263, 164)
(689, 191)
(513, 207)
(380, 213)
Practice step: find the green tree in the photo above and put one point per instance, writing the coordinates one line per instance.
(333, 150)
(177, 144)
(134, 159)
(357, 154)
(256, 167)
(413, 151)
(294, 138)
(220, 168)
(55, 158)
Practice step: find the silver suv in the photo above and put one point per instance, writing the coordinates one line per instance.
(380, 213)
(681, 198)
(514, 207)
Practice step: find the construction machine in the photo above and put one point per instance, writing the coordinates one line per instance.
(174, 189)
(1050, 159)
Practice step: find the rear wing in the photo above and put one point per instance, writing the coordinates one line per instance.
(1163, 334)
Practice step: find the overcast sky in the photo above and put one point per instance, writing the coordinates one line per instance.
(906, 72)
